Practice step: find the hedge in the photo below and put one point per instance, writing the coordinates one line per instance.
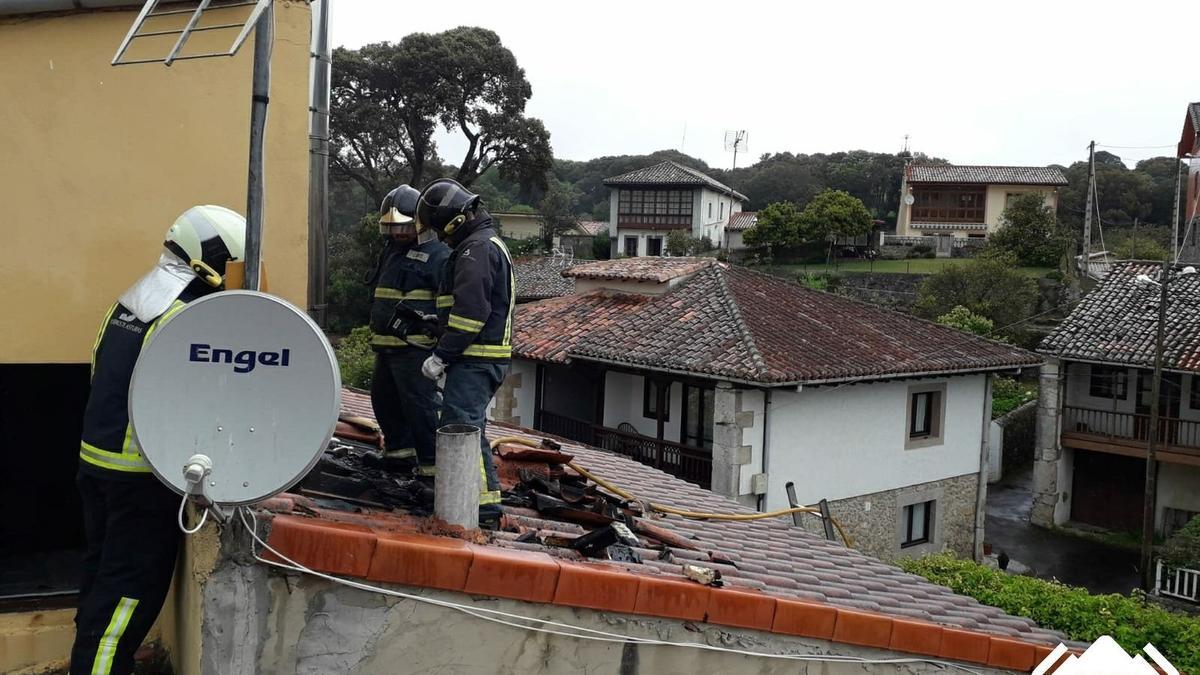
(1075, 612)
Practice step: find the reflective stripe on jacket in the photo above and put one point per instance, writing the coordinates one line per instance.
(475, 303)
(410, 274)
(107, 441)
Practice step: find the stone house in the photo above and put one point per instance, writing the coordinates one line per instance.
(648, 204)
(1095, 396)
(748, 384)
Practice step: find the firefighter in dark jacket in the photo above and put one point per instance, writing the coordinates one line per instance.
(129, 516)
(475, 307)
(409, 271)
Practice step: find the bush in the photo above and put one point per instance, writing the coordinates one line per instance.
(965, 320)
(921, 251)
(991, 287)
(816, 282)
(1030, 231)
(706, 244)
(523, 247)
(601, 246)
(1009, 394)
(1183, 548)
(1073, 611)
(1140, 249)
(355, 358)
(680, 242)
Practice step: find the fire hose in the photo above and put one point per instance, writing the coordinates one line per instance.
(663, 508)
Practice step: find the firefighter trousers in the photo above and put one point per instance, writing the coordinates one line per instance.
(406, 405)
(469, 388)
(132, 541)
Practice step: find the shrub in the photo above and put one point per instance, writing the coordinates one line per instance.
(1183, 548)
(921, 251)
(1131, 621)
(1009, 394)
(965, 320)
(680, 242)
(601, 246)
(814, 281)
(991, 287)
(355, 358)
(706, 244)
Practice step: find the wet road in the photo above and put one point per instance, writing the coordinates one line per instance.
(1072, 560)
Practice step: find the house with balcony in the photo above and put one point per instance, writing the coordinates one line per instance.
(759, 389)
(1094, 410)
(948, 206)
(648, 204)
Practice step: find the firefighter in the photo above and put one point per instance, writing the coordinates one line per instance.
(129, 516)
(475, 309)
(409, 271)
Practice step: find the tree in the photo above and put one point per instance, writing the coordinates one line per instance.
(387, 100)
(681, 242)
(778, 225)
(965, 320)
(989, 286)
(1031, 232)
(556, 212)
(353, 255)
(832, 214)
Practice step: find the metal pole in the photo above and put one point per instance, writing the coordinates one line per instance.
(790, 487)
(318, 168)
(1087, 212)
(260, 91)
(457, 481)
(1175, 214)
(1151, 496)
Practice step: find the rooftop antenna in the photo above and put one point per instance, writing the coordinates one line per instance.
(905, 144)
(683, 141)
(260, 19)
(736, 140)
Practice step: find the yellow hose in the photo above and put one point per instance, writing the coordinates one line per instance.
(662, 508)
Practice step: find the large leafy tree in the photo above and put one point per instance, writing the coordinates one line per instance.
(1031, 232)
(778, 226)
(990, 286)
(832, 214)
(387, 100)
(556, 212)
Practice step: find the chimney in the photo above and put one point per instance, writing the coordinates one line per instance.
(456, 484)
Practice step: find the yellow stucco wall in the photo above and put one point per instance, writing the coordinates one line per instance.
(98, 161)
(994, 204)
(519, 225)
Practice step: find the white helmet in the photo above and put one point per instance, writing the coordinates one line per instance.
(206, 237)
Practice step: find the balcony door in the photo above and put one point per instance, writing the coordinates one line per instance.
(1168, 404)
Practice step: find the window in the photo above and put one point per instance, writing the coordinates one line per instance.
(654, 245)
(710, 210)
(949, 204)
(650, 399)
(924, 414)
(1108, 382)
(654, 207)
(916, 524)
(698, 416)
(722, 209)
(1194, 398)
(631, 245)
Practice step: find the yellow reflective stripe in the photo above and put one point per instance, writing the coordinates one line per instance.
(116, 461)
(166, 316)
(486, 496)
(512, 290)
(489, 351)
(464, 324)
(426, 470)
(107, 649)
(100, 334)
(395, 294)
(445, 301)
(400, 453)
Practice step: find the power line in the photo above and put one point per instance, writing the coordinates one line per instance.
(1135, 147)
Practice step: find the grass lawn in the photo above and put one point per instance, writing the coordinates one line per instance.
(912, 266)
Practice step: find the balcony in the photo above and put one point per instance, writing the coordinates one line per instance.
(1128, 433)
(682, 461)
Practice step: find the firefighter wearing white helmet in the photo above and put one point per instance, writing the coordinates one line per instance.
(129, 516)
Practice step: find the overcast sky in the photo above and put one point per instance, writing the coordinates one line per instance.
(977, 83)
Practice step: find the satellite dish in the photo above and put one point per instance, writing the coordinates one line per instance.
(239, 387)
(909, 199)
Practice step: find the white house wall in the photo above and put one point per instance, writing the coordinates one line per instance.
(623, 394)
(753, 403)
(1178, 488)
(839, 442)
(1078, 394)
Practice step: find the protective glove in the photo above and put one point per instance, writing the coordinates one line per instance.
(434, 367)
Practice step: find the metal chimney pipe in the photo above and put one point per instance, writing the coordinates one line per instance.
(456, 484)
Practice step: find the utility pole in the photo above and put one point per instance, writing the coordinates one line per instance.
(1175, 214)
(1087, 215)
(1151, 496)
(260, 86)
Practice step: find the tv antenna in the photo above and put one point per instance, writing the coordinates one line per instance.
(260, 19)
(234, 399)
(736, 140)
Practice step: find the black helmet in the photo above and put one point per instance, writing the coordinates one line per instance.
(397, 211)
(444, 205)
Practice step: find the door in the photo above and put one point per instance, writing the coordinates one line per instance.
(1168, 405)
(654, 246)
(631, 245)
(1108, 490)
(945, 245)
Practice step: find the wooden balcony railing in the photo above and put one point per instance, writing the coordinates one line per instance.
(682, 461)
(1130, 427)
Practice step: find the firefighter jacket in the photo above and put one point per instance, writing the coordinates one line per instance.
(475, 303)
(411, 274)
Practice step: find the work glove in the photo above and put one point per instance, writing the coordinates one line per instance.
(434, 367)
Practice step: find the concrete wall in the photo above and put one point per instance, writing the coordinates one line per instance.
(99, 161)
(839, 442)
(1178, 488)
(514, 400)
(519, 225)
(995, 452)
(303, 625)
(875, 521)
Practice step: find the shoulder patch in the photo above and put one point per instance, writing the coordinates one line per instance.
(418, 255)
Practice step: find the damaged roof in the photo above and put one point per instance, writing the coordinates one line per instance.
(540, 277)
(1118, 321)
(1005, 175)
(764, 574)
(728, 322)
